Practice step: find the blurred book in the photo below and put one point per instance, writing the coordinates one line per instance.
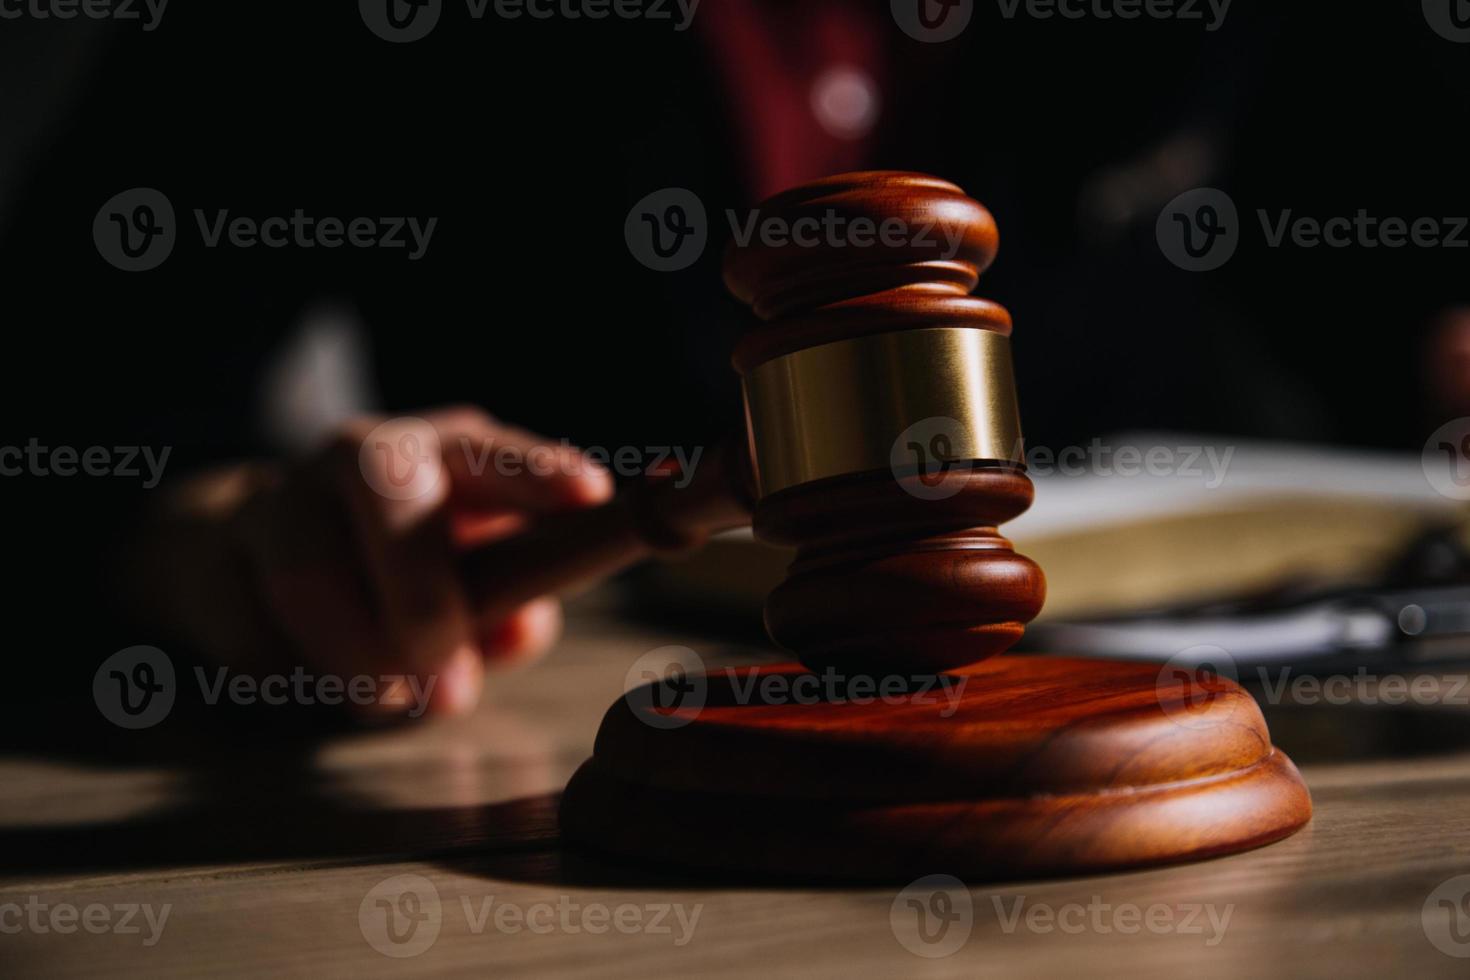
(1119, 537)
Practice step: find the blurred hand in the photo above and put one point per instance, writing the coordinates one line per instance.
(345, 563)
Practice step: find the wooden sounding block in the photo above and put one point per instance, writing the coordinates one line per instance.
(1020, 766)
(885, 445)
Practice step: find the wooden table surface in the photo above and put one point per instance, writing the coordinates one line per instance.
(286, 854)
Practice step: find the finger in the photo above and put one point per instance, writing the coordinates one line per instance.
(472, 528)
(525, 635)
(498, 467)
(455, 688)
(391, 479)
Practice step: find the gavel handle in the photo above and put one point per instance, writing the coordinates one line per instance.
(574, 549)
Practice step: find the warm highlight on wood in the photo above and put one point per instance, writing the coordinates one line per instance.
(1019, 766)
(888, 576)
(978, 765)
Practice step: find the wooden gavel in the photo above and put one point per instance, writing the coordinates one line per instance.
(898, 565)
(884, 445)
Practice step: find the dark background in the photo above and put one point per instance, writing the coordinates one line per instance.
(530, 140)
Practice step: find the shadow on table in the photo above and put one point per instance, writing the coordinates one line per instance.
(251, 794)
(239, 787)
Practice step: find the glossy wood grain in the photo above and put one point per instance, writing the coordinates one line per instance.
(929, 242)
(1022, 766)
(885, 578)
(1017, 766)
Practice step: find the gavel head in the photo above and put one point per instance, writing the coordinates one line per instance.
(883, 427)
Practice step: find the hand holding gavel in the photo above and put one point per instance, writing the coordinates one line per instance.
(337, 565)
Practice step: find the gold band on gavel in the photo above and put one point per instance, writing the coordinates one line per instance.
(840, 408)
